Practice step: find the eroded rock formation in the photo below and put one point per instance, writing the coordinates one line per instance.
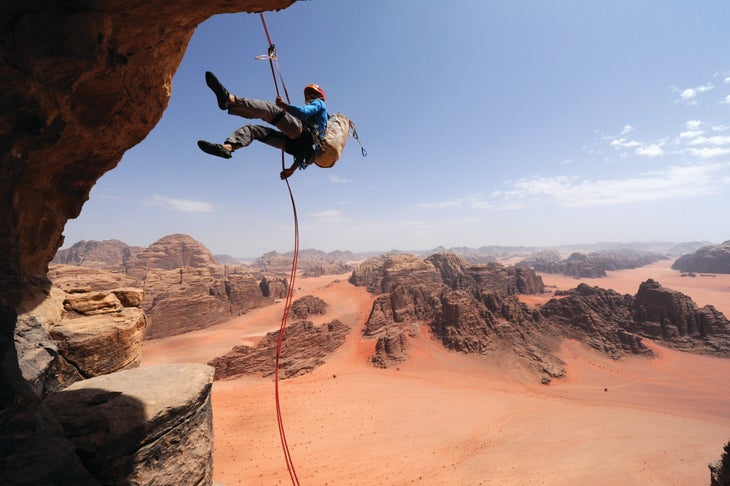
(125, 433)
(591, 265)
(473, 309)
(304, 348)
(185, 288)
(708, 259)
(81, 83)
(469, 308)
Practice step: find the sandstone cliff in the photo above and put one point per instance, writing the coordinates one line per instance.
(185, 288)
(708, 259)
(469, 308)
(109, 254)
(473, 309)
(591, 265)
(72, 74)
(311, 263)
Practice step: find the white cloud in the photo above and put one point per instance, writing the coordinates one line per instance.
(627, 129)
(184, 205)
(726, 100)
(716, 140)
(693, 124)
(688, 96)
(708, 152)
(691, 134)
(720, 128)
(673, 182)
(338, 180)
(651, 150)
(623, 143)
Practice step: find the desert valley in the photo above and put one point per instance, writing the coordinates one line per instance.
(573, 411)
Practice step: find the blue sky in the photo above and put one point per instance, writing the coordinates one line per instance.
(486, 123)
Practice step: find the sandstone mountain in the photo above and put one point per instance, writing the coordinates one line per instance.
(473, 309)
(99, 254)
(311, 263)
(589, 265)
(469, 308)
(708, 259)
(185, 288)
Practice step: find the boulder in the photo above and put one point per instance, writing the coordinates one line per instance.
(307, 305)
(92, 303)
(101, 344)
(151, 425)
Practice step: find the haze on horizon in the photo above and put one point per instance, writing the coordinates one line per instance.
(513, 124)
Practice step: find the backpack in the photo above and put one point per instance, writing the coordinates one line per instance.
(330, 147)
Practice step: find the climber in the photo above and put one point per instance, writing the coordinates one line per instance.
(300, 127)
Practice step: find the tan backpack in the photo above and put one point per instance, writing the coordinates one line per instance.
(330, 146)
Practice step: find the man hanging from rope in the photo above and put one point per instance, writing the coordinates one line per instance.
(298, 125)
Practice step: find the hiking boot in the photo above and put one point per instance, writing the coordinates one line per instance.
(221, 94)
(214, 149)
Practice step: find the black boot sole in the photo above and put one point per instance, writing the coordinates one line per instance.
(214, 149)
(221, 94)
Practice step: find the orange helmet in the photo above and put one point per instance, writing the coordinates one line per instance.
(317, 89)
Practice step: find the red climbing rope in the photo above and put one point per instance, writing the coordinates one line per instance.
(272, 57)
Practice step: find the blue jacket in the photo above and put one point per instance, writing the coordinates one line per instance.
(313, 114)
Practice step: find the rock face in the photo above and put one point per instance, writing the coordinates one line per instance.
(591, 265)
(708, 259)
(597, 317)
(170, 253)
(306, 306)
(674, 319)
(185, 288)
(70, 76)
(473, 309)
(312, 263)
(720, 469)
(470, 308)
(151, 425)
(97, 254)
(304, 348)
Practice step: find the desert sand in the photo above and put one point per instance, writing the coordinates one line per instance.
(445, 418)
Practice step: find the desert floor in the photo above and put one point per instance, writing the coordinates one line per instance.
(448, 418)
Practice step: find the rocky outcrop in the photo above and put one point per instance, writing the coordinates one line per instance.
(312, 263)
(97, 254)
(151, 425)
(187, 299)
(708, 259)
(179, 297)
(720, 469)
(380, 274)
(71, 75)
(597, 317)
(170, 253)
(304, 348)
(473, 309)
(674, 319)
(80, 335)
(306, 306)
(390, 350)
(470, 308)
(615, 324)
(591, 265)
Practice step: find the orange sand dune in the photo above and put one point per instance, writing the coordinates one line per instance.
(444, 418)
